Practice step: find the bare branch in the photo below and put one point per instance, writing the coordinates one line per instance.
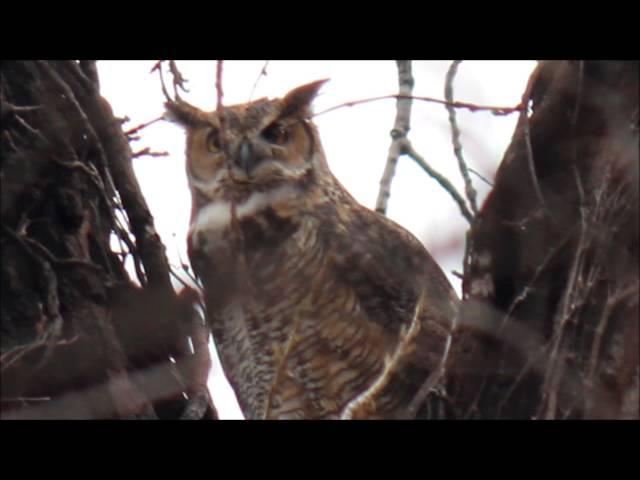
(530, 162)
(563, 313)
(7, 136)
(148, 152)
(24, 400)
(158, 66)
(135, 130)
(103, 163)
(11, 108)
(438, 177)
(40, 253)
(399, 132)
(178, 79)
(523, 122)
(263, 73)
(10, 357)
(219, 91)
(495, 110)
(33, 131)
(481, 177)
(125, 177)
(455, 137)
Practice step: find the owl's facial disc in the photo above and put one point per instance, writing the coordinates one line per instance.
(253, 152)
(259, 160)
(206, 160)
(277, 152)
(258, 146)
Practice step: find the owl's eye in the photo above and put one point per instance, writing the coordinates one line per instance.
(276, 134)
(213, 140)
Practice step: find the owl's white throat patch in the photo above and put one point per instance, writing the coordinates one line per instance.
(216, 216)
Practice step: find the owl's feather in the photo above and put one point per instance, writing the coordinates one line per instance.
(309, 294)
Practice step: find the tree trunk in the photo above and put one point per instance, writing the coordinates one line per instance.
(550, 317)
(80, 339)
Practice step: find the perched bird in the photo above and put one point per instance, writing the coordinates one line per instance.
(318, 306)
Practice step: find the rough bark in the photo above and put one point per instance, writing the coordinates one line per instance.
(80, 339)
(551, 286)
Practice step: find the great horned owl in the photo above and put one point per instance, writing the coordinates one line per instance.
(318, 306)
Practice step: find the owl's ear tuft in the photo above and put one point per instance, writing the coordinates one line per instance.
(298, 101)
(184, 113)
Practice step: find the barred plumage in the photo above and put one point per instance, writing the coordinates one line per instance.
(308, 293)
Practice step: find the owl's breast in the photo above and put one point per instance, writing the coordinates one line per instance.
(223, 236)
(255, 273)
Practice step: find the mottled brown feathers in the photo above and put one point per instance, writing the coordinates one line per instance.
(319, 307)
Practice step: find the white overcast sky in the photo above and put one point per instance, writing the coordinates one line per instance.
(356, 140)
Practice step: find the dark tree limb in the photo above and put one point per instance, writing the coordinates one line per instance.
(78, 334)
(554, 255)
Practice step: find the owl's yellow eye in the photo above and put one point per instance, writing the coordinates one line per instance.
(213, 140)
(276, 134)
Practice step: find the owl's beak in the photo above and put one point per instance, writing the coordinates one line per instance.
(245, 156)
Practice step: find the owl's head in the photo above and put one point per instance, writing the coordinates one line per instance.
(253, 146)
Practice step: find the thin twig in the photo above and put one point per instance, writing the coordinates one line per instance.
(481, 177)
(563, 313)
(235, 225)
(128, 193)
(177, 277)
(219, 90)
(12, 356)
(7, 136)
(134, 130)
(38, 251)
(522, 296)
(613, 300)
(399, 132)
(33, 131)
(529, 287)
(438, 177)
(24, 400)
(224, 146)
(185, 268)
(103, 163)
(178, 79)
(158, 66)
(118, 228)
(523, 123)
(455, 136)
(496, 110)
(530, 162)
(263, 73)
(147, 152)
(530, 343)
(8, 107)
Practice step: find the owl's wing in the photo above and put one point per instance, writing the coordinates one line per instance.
(394, 280)
(388, 269)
